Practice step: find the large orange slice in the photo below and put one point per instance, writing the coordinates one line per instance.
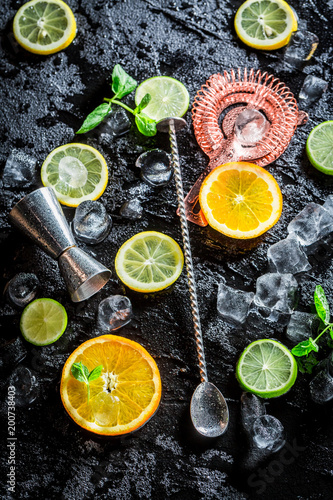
(126, 394)
(241, 200)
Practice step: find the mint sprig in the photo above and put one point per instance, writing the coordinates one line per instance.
(81, 373)
(122, 85)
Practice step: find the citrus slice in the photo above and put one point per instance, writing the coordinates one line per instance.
(44, 27)
(265, 24)
(126, 394)
(43, 321)
(240, 200)
(266, 368)
(169, 97)
(319, 147)
(76, 172)
(149, 261)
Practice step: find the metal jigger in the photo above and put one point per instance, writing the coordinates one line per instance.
(39, 215)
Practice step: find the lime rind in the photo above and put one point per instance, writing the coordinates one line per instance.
(169, 97)
(280, 370)
(43, 321)
(319, 147)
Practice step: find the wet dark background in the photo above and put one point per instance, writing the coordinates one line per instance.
(44, 100)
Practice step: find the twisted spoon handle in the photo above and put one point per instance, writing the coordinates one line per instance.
(187, 253)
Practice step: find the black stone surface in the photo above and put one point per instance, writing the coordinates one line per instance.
(44, 100)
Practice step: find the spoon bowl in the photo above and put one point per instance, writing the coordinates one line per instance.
(209, 410)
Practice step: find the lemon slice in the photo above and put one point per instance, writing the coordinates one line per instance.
(265, 24)
(169, 97)
(149, 261)
(44, 27)
(76, 172)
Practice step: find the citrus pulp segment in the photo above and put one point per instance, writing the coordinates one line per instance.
(44, 26)
(240, 200)
(149, 261)
(266, 368)
(265, 24)
(126, 394)
(169, 97)
(43, 321)
(319, 147)
(76, 172)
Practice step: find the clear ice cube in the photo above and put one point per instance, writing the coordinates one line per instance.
(301, 47)
(328, 205)
(251, 408)
(312, 89)
(276, 294)
(26, 385)
(115, 124)
(287, 256)
(114, 312)
(250, 127)
(321, 387)
(233, 305)
(131, 209)
(11, 353)
(300, 326)
(91, 223)
(311, 225)
(156, 169)
(19, 170)
(267, 433)
(22, 289)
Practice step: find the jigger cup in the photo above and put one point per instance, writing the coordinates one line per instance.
(39, 215)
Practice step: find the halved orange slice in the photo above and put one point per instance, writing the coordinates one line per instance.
(126, 394)
(241, 200)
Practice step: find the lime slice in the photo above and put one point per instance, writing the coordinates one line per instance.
(266, 368)
(319, 147)
(43, 321)
(76, 172)
(265, 24)
(149, 261)
(44, 27)
(169, 97)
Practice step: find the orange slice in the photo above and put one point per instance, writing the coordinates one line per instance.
(126, 394)
(241, 200)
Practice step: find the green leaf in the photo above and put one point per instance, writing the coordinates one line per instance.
(304, 348)
(95, 117)
(306, 364)
(95, 373)
(143, 104)
(331, 332)
(80, 372)
(322, 306)
(122, 83)
(145, 125)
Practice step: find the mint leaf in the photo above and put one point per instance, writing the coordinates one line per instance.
(95, 117)
(95, 373)
(306, 364)
(305, 347)
(145, 125)
(122, 83)
(321, 304)
(143, 104)
(80, 372)
(331, 333)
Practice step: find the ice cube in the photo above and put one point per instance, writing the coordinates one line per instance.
(287, 256)
(321, 387)
(276, 295)
(131, 209)
(311, 225)
(233, 305)
(267, 433)
(115, 124)
(26, 385)
(312, 89)
(11, 353)
(301, 326)
(19, 169)
(22, 289)
(301, 47)
(91, 223)
(114, 312)
(250, 127)
(328, 205)
(156, 169)
(251, 408)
